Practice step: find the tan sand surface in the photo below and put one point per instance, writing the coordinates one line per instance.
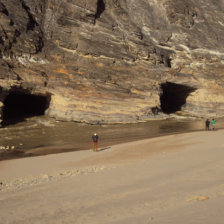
(172, 179)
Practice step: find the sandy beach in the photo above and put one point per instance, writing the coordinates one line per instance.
(170, 179)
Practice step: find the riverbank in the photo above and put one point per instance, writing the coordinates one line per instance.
(170, 179)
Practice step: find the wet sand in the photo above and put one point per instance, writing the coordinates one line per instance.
(170, 179)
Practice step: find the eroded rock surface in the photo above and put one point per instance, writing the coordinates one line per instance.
(109, 60)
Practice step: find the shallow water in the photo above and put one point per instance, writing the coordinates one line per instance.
(40, 132)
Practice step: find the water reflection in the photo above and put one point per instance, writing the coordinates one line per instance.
(57, 136)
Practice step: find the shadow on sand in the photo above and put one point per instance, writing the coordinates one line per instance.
(101, 149)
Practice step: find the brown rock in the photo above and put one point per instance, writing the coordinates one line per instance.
(111, 60)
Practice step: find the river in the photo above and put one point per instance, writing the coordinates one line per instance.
(42, 135)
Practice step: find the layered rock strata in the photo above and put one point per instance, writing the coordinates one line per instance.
(114, 60)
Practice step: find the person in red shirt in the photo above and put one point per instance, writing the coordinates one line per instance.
(95, 138)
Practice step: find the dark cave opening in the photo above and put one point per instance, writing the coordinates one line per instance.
(19, 105)
(174, 96)
(32, 22)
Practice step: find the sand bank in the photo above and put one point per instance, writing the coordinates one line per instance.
(170, 179)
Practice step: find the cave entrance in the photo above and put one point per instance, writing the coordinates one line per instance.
(19, 105)
(174, 96)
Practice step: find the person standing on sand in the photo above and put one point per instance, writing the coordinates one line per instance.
(207, 123)
(95, 142)
(213, 124)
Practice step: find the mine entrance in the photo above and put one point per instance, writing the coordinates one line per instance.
(20, 105)
(174, 96)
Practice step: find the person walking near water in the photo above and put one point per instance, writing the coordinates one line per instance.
(95, 142)
(213, 124)
(207, 123)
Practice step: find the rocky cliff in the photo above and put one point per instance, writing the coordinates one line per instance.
(111, 60)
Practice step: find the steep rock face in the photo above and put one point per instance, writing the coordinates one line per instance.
(114, 60)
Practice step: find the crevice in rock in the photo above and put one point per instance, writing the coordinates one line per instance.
(164, 56)
(40, 44)
(100, 9)
(166, 61)
(174, 96)
(20, 104)
(16, 34)
(1, 41)
(155, 110)
(3, 9)
(11, 22)
(32, 22)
